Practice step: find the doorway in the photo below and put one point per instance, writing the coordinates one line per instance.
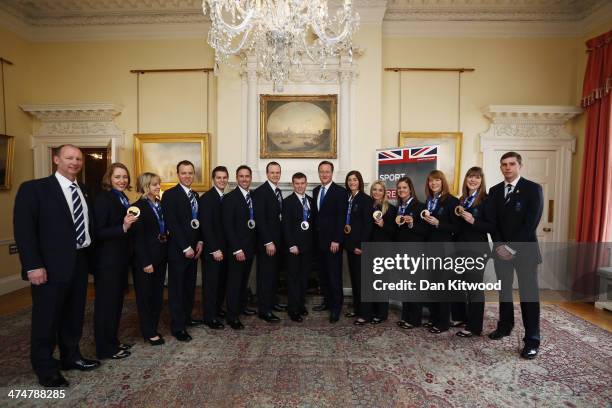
(95, 163)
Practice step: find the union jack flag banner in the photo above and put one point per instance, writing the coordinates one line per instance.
(414, 162)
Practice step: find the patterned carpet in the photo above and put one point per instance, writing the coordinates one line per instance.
(316, 364)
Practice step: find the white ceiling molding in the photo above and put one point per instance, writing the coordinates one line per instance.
(530, 114)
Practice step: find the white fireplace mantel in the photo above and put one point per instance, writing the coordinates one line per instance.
(84, 125)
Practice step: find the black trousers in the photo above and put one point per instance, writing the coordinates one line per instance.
(330, 266)
(182, 275)
(354, 264)
(110, 284)
(149, 289)
(298, 271)
(213, 279)
(412, 312)
(237, 284)
(527, 274)
(57, 318)
(472, 310)
(378, 310)
(268, 268)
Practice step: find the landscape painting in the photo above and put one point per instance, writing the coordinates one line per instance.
(298, 126)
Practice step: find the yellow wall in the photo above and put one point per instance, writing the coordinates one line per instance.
(18, 91)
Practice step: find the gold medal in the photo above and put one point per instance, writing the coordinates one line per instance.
(347, 229)
(425, 214)
(459, 211)
(400, 220)
(377, 215)
(133, 210)
(251, 224)
(195, 224)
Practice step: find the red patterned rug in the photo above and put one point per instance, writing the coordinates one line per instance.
(316, 364)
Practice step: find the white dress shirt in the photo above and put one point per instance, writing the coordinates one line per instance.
(65, 185)
(326, 186)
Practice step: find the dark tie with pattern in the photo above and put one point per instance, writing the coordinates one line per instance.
(508, 192)
(279, 197)
(77, 215)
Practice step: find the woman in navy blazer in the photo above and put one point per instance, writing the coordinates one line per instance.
(410, 228)
(150, 257)
(383, 230)
(112, 260)
(477, 220)
(357, 229)
(443, 226)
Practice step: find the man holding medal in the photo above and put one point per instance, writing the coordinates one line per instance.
(180, 207)
(298, 235)
(239, 224)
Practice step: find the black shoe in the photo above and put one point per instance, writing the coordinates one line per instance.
(296, 318)
(498, 335)
(464, 333)
(334, 317)
(436, 330)
(81, 364)
(160, 340)
(304, 312)
(194, 322)
(215, 324)
(376, 320)
(124, 346)
(320, 308)
(182, 336)
(279, 307)
(249, 312)
(236, 324)
(350, 314)
(221, 313)
(529, 352)
(360, 322)
(121, 354)
(269, 317)
(54, 381)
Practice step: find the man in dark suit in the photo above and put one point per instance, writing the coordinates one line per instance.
(329, 211)
(268, 207)
(53, 231)
(518, 205)
(214, 272)
(180, 206)
(298, 244)
(239, 224)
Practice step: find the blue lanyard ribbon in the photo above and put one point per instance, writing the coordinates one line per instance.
(432, 203)
(467, 203)
(305, 210)
(157, 210)
(348, 211)
(124, 201)
(250, 204)
(403, 206)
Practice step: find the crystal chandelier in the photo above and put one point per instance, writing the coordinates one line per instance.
(279, 34)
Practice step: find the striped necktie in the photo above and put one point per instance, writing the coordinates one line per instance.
(77, 215)
(279, 197)
(248, 200)
(508, 192)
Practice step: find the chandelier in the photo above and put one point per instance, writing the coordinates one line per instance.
(279, 35)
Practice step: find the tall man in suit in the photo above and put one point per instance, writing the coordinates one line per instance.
(329, 212)
(239, 224)
(518, 205)
(298, 243)
(53, 230)
(214, 273)
(180, 206)
(268, 207)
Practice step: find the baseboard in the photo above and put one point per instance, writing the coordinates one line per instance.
(12, 283)
(604, 305)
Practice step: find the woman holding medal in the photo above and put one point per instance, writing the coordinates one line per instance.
(357, 229)
(383, 230)
(443, 226)
(150, 257)
(409, 228)
(112, 259)
(476, 215)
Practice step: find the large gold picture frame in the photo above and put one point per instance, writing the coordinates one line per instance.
(298, 126)
(159, 153)
(7, 151)
(449, 152)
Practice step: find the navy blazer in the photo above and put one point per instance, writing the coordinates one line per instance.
(145, 232)
(211, 222)
(361, 221)
(44, 229)
(293, 215)
(449, 223)
(386, 233)
(419, 231)
(484, 223)
(267, 216)
(235, 218)
(518, 220)
(329, 220)
(177, 214)
(112, 247)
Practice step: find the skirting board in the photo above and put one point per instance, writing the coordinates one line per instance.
(604, 305)
(12, 283)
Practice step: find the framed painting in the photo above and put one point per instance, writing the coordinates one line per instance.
(298, 126)
(449, 152)
(159, 153)
(7, 150)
